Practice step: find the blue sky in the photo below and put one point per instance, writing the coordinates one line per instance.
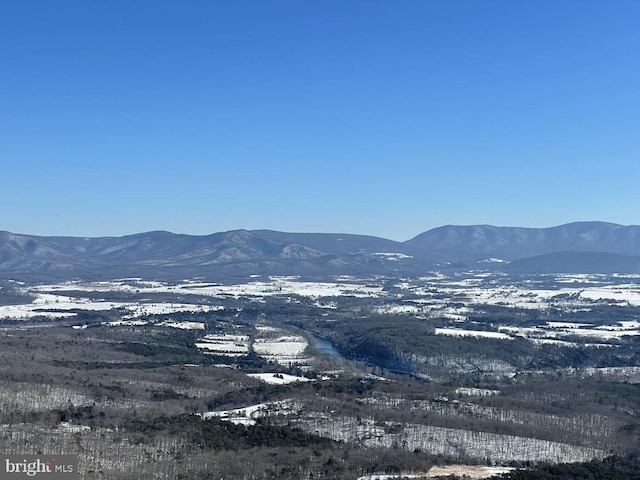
(373, 117)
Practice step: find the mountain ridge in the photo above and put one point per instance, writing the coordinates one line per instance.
(274, 252)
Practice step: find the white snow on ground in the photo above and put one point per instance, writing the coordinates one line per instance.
(476, 288)
(618, 293)
(70, 427)
(285, 350)
(281, 346)
(577, 291)
(478, 392)
(530, 332)
(467, 471)
(305, 289)
(445, 441)
(452, 316)
(230, 351)
(45, 304)
(275, 286)
(630, 324)
(554, 334)
(432, 296)
(330, 305)
(228, 345)
(141, 309)
(183, 325)
(53, 306)
(266, 328)
(437, 308)
(25, 311)
(602, 333)
(47, 297)
(472, 472)
(278, 378)
(390, 476)
(458, 332)
(493, 260)
(621, 326)
(392, 255)
(580, 278)
(398, 309)
(567, 325)
(248, 415)
(276, 345)
(626, 374)
(127, 323)
(560, 343)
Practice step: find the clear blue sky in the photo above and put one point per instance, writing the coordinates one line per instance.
(376, 117)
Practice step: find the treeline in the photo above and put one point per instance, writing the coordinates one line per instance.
(343, 388)
(10, 295)
(611, 468)
(217, 434)
(403, 343)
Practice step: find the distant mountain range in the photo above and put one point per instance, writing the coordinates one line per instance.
(576, 247)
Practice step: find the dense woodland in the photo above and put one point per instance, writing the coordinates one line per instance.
(398, 399)
(611, 468)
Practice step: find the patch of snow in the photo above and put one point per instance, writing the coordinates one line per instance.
(281, 346)
(467, 471)
(458, 332)
(227, 345)
(278, 378)
(394, 256)
(183, 325)
(397, 309)
(493, 260)
(619, 293)
(266, 328)
(478, 392)
(127, 323)
(70, 427)
(248, 415)
(567, 325)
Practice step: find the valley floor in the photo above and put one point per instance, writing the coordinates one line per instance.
(192, 379)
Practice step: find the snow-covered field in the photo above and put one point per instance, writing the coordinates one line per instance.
(249, 414)
(481, 392)
(54, 301)
(183, 325)
(271, 343)
(471, 472)
(278, 378)
(275, 286)
(399, 309)
(481, 288)
(227, 345)
(458, 332)
(52, 305)
(554, 332)
(426, 293)
(450, 302)
(56, 306)
(278, 346)
(467, 471)
(453, 298)
(395, 256)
